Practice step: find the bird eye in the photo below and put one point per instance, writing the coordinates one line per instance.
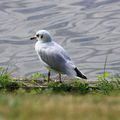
(41, 36)
(37, 35)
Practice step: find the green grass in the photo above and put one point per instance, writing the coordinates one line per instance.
(106, 85)
(21, 100)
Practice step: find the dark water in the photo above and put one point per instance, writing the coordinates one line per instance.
(88, 29)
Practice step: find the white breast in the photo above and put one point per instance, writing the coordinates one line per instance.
(38, 46)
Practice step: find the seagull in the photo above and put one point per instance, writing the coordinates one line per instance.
(54, 57)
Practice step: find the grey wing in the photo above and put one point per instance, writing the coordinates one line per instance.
(55, 59)
(62, 51)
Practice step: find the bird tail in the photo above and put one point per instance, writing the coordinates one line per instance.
(79, 74)
(72, 70)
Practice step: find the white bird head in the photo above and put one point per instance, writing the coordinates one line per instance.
(42, 35)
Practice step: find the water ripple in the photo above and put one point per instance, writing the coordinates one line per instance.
(34, 9)
(88, 29)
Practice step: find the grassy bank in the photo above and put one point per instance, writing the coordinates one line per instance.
(30, 99)
(105, 84)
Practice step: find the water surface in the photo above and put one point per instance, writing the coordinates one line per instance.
(88, 29)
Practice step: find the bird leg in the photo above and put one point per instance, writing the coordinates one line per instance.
(48, 76)
(60, 78)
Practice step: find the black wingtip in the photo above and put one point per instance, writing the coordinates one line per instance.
(79, 74)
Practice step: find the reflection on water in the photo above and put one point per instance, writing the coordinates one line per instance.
(88, 29)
